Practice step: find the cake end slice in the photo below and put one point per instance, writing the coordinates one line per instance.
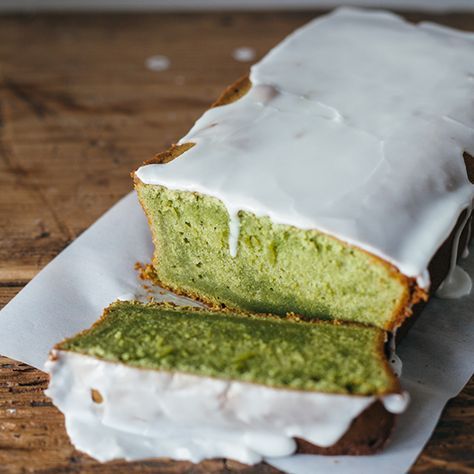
(159, 380)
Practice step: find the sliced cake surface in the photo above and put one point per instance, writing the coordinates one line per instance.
(277, 269)
(159, 380)
(325, 182)
(277, 352)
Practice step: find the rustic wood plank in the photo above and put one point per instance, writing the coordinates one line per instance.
(450, 449)
(78, 111)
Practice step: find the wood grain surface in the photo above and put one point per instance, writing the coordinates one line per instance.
(78, 111)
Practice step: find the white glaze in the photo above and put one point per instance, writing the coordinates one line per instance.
(393, 359)
(396, 402)
(457, 282)
(234, 230)
(355, 125)
(147, 413)
(465, 252)
(127, 297)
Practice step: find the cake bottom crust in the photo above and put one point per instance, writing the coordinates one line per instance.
(368, 434)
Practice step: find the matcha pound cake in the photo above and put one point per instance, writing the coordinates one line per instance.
(326, 181)
(160, 380)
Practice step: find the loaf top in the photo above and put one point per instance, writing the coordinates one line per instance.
(355, 125)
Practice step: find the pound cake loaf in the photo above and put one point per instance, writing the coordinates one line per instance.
(160, 380)
(326, 181)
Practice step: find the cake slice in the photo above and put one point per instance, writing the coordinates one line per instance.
(160, 380)
(327, 181)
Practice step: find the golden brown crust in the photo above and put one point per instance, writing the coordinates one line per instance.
(170, 154)
(234, 92)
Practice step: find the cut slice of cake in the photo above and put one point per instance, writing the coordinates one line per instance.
(326, 182)
(160, 380)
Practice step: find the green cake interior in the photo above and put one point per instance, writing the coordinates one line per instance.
(278, 268)
(274, 351)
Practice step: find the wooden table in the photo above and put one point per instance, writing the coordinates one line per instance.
(78, 111)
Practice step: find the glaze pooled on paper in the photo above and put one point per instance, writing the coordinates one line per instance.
(355, 125)
(146, 413)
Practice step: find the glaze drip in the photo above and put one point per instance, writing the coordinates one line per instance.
(465, 252)
(234, 230)
(393, 359)
(457, 283)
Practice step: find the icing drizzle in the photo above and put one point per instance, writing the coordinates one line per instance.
(355, 125)
(457, 282)
(234, 230)
(393, 359)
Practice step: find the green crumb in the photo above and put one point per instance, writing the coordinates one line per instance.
(273, 351)
(278, 268)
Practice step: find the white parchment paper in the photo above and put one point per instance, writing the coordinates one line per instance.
(69, 294)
